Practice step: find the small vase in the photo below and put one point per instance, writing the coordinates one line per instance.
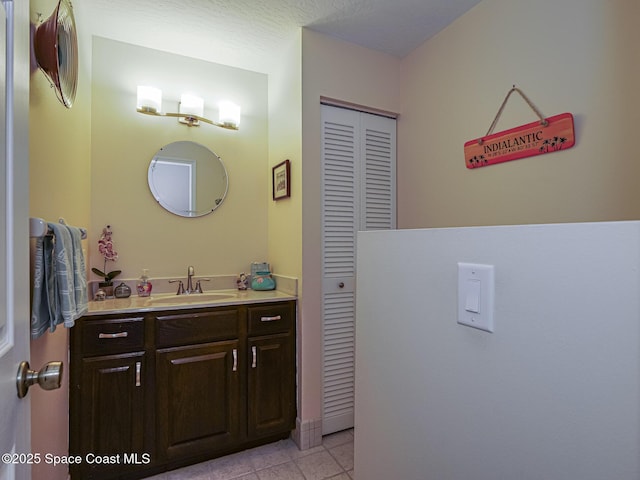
(122, 291)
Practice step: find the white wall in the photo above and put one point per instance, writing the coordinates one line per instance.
(552, 394)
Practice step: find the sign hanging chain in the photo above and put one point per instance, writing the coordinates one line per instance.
(543, 121)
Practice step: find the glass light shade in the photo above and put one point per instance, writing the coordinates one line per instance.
(191, 105)
(229, 114)
(149, 99)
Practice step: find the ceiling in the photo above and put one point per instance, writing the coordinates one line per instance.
(249, 33)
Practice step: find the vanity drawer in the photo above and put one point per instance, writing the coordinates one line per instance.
(272, 318)
(114, 335)
(200, 327)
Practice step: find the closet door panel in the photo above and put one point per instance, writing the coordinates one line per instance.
(340, 178)
(358, 193)
(378, 173)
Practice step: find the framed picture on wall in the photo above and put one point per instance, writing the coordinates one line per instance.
(281, 180)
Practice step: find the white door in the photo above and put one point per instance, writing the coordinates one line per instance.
(340, 154)
(14, 246)
(358, 193)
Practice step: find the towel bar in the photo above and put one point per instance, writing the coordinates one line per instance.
(38, 228)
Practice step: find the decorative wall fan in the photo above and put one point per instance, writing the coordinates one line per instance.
(55, 45)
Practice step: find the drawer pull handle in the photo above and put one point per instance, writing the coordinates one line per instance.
(138, 369)
(113, 335)
(270, 319)
(235, 360)
(254, 354)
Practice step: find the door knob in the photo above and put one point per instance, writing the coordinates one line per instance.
(49, 377)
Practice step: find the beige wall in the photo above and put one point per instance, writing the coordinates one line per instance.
(347, 72)
(575, 56)
(124, 141)
(285, 143)
(59, 144)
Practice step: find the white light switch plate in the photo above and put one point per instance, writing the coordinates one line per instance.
(475, 296)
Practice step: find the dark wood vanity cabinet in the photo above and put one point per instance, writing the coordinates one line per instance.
(108, 395)
(198, 382)
(177, 387)
(271, 382)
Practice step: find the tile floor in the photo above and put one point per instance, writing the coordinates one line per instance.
(277, 461)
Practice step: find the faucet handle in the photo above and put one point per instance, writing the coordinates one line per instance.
(198, 286)
(180, 286)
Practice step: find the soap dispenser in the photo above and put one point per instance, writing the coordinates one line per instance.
(144, 285)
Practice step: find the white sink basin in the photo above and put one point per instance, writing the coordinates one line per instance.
(191, 299)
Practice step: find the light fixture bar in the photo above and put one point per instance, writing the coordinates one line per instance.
(190, 120)
(191, 109)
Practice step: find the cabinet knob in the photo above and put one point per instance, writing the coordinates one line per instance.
(341, 285)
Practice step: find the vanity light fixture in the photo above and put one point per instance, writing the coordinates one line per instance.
(190, 110)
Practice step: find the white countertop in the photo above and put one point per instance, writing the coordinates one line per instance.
(146, 304)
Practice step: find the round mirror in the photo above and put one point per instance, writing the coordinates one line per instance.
(188, 179)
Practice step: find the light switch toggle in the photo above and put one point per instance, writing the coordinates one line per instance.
(475, 296)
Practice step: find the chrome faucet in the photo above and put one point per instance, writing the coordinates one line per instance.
(190, 288)
(190, 273)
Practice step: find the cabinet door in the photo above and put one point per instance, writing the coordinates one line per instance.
(111, 411)
(198, 402)
(271, 387)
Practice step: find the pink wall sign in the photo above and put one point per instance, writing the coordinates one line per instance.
(520, 142)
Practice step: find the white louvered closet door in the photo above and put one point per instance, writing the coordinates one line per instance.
(378, 173)
(358, 188)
